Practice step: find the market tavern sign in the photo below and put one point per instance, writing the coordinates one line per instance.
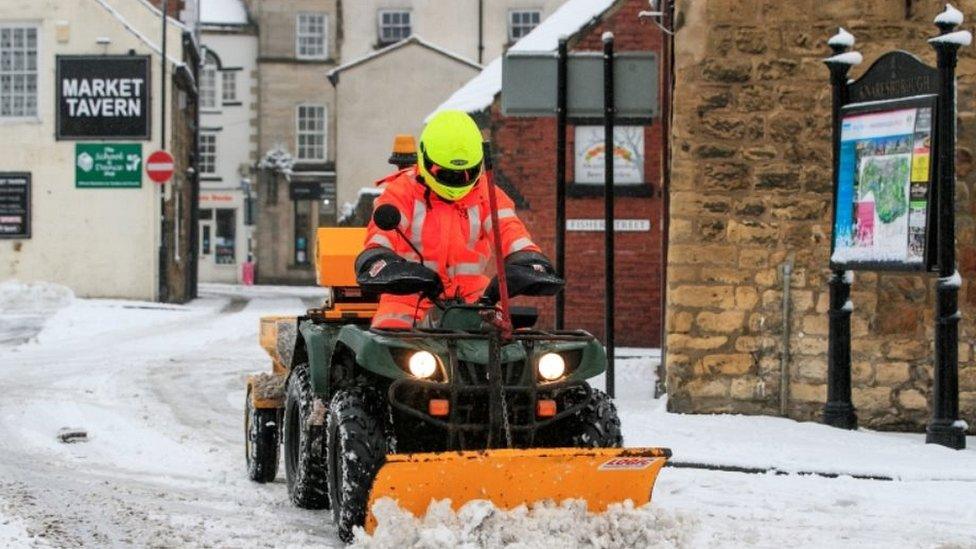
(15, 202)
(103, 97)
(108, 165)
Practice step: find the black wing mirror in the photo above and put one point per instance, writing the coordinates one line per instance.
(387, 217)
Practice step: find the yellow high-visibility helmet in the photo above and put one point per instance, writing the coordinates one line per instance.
(451, 154)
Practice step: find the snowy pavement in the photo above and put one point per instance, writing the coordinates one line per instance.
(159, 389)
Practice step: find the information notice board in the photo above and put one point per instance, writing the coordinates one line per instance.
(882, 208)
(15, 202)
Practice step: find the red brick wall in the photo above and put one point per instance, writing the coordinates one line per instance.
(525, 148)
(174, 7)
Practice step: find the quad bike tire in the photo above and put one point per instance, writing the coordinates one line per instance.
(596, 425)
(357, 449)
(304, 441)
(260, 442)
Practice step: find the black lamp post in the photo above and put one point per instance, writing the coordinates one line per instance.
(839, 409)
(609, 112)
(945, 428)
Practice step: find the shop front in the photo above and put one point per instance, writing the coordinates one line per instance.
(225, 236)
(289, 210)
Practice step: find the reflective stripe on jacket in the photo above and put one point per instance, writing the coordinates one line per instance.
(455, 239)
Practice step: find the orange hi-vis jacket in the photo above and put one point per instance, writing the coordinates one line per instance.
(455, 239)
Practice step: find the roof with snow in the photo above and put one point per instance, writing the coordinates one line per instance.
(480, 91)
(413, 39)
(223, 12)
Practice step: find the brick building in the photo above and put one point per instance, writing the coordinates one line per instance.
(751, 192)
(526, 168)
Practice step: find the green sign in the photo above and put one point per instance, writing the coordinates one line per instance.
(108, 165)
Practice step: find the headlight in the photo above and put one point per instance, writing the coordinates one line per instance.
(422, 364)
(551, 367)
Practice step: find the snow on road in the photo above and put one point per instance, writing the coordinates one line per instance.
(159, 389)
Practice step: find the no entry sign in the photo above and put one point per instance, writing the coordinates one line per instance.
(159, 166)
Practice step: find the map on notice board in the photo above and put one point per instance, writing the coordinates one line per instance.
(882, 200)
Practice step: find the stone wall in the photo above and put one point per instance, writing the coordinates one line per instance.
(751, 191)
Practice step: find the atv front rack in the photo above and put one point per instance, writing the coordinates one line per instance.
(513, 391)
(518, 335)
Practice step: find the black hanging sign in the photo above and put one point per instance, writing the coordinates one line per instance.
(15, 202)
(103, 97)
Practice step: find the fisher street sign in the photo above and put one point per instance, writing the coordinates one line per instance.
(103, 97)
(108, 165)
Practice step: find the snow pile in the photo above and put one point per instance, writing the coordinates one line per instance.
(348, 210)
(951, 16)
(480, 91)
(277, 160)
(847, 58)
(36, 297)
(13, 534)
(480, 524)
(842, 38)
(960, 38)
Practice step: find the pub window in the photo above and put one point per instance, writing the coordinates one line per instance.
(208, 84)
(310, 38)
(303, 215)
(229, 86)
(521, 22)
(394, 25)
(224, 243)
(18, 71)
(208, 153)
(310, 122)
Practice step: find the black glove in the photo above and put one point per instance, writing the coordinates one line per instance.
(527, 273)
(380, 270)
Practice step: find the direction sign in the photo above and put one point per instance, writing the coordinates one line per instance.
(159, 166)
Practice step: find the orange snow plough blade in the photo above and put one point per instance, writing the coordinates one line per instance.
(509, 478)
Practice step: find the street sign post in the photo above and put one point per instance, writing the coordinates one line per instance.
(160, 166)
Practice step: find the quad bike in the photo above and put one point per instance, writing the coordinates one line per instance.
(471, 403)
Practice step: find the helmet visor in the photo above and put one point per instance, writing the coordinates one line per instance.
(450, 177)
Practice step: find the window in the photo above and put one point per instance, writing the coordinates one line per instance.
(208, 84)
(311, 132)
(310, 38)
(521, 23)
(224, 243)
(18, 71)
(208, 153)
(394, 26)
(205, 246)
(229, 86)
(303, 216)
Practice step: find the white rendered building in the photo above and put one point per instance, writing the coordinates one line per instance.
(228, 148)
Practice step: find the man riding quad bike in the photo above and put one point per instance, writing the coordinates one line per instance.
(437, 391)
